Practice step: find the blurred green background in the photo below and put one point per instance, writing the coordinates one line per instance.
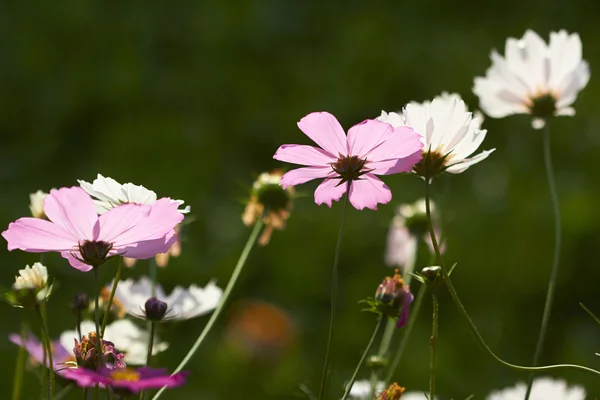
(192, 98)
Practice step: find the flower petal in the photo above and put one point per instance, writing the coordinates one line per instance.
(404, 142)
(302, 175)
(38, 236)
(74, 210)
(74, 262)
(464, 164)
(303, 155)
(325, 130)
(368, 192)
(363, 137)
(329, 191)
(395, 166)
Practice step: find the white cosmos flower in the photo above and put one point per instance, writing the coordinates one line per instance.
(183, 303)
(542, 389)
(450, 133)
(127, 337)
(36, 204)
(34, 277)
(110, 193)
(534, 77)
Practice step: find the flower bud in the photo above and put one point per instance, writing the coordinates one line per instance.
(394, 298)
(80, 302)
(394, 392)
(36, 204)
(31, 287)
(155, 309)
(431, 273)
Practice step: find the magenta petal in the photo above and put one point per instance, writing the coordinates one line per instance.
(120, 220)
(395, 165)
(325, 130)
(301, 175)
(368, 192)
(363, 137)
(329, 191)
(72, 209)
(38, 236)
(408, 299)
(149, 248)
(402, 143)
(303, 155)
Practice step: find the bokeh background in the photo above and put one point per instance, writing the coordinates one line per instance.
(192, 98)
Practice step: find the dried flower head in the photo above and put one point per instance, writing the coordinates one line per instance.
(269, 201)
(394, 392)
(87, 355)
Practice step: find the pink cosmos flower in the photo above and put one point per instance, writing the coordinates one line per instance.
(371, 148)
(125, 378)
(87, 240)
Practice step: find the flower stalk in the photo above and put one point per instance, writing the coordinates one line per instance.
(433, 344)
(556, 254)
(47, 343)
(232, 281)
(362, 358)
(336, 259)
(112, 295)
(19, 365)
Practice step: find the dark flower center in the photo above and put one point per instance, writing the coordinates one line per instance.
(433, 162)
(349, 168)
(155, 309)
(273, 196)
(543, 106)
(94, 253)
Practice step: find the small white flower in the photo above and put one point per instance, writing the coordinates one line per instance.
(127, 337)
(183, 303)
(362, 390)
(534, 78)
(542, 389)
(36, 204)
(34, 277)
(450, 133)
(110, 193)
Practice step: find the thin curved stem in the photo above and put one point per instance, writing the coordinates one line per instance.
(48, 344)
(234, 277)
(362, 358)
(473, 328)
(20, 365)
(333, 297)
(416, 307)
(150, 343)
(433, 344)
(112, 295)
(555, 258)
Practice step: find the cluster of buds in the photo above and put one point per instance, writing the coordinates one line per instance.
(87, 355)
(270, 202)
(31, 287)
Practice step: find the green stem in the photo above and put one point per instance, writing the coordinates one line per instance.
(473, 328)
(234, 277)
(48, 343)
(150, 343)
(555, 258)
(433, 344)
(112, 295)
(333, 297)
(65, 391)
(20, 365)
(362, 358)
(152, 271)
(416, 307)
(97, 323)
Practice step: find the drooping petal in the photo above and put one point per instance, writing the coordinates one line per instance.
(38, 236)
(463, 165)
(147, 248)
(363, 137)
(368, 192)
(304, 155)
(72, 209)
(301, 175)
(329, 191)
(325, 130)
(70, 256)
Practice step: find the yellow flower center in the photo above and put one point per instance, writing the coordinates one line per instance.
(124, 374)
